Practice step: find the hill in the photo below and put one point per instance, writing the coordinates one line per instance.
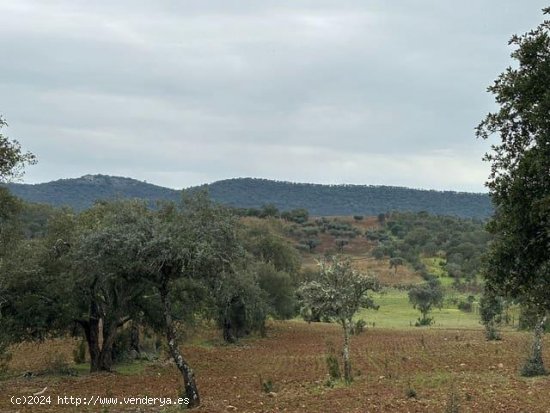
(318, 199)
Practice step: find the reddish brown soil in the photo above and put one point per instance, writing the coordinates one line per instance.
(484, 374)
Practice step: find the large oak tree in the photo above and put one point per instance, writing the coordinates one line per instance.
(518, 263)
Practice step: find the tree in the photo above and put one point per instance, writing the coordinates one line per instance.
(396, 262)
(341, 243)
(280, 291)
(491, 307)
(12, 162)
(195, 240)
(312, 243)
(85, 271)
(109, 276)
(12, 159)
(518, 263)
(425, 297)
(338, 293)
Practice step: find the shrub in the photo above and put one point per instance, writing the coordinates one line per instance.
(333, 365)
(359, 327)
(453, 405)
(56, 363)
(465, 306)
(267, 386)
(410, 392)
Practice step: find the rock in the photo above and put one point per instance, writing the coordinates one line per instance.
(500, 365)
(272, 394)
(231, 408)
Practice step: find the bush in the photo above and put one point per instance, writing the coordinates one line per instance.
(333, 365)
(465, 306)
(267, 386)
(56, 363)
(533, 368)
(359, 327)
(421, 322)
(410, 392)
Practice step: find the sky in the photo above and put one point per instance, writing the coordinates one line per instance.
(180, 93)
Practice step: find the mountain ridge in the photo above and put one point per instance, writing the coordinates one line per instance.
(318, 199)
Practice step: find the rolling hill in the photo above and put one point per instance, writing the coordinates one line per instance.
(80, 193)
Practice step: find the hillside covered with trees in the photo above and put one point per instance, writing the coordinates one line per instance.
(319, 200)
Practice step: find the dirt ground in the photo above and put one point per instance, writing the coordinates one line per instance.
(391, 366)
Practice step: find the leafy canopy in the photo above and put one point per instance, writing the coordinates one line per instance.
(518, 263)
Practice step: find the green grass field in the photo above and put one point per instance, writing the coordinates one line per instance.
(396, 312)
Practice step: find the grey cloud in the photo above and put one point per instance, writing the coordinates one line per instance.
(179, 93)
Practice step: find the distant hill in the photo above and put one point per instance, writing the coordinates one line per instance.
(80, 193)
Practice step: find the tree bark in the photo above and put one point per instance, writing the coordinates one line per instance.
(228, 336)
(191, 392)
(91, 332)
(135, 344)
(101, 351)
(534, 366)
(106, 353)
(348, 377)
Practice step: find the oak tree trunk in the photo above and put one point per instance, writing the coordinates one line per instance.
(191, 392)
(535, 364)
(348, 377)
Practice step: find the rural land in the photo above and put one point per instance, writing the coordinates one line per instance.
(256, 295)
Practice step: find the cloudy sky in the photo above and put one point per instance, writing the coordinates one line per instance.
(180, 93)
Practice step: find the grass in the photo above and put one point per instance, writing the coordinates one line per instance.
(126, 368)
(396, 312)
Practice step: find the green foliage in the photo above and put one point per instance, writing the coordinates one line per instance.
(333, 365)
(410, 236)
(251, 194)
(339, 291)
(298, 216)
(533, 367)
(12, 158)
(280, 291)
(410, 392)
(359, 327)
(491, 308)
(267, 385)
(518, 261)
(266, 243)
(425, 297)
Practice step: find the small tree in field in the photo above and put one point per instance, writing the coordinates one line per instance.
(491, 308)
(425, 297)
(338, 293)
(396, 262)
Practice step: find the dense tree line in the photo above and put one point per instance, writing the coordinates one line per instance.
(408, 237)
(94, 272)
(248, 193)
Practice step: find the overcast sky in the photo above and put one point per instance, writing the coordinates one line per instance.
(180, 93)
